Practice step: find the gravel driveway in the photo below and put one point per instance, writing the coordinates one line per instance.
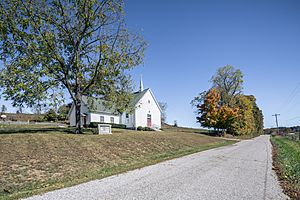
(240, 171)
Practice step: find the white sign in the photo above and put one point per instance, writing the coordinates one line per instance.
(104, 129)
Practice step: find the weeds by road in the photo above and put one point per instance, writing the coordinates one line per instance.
(286, 154)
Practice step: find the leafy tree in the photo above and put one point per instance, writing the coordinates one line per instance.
(3, 109)
(63, 111)
(50, 116)
(82, 47)
(250, 121)
(163, 106)
(175, 123)
(207, 107)
(39, 108)
(20, 110)
(244, 123)
(225, 107)
(212, 113)
(258, 117)
(229, 82)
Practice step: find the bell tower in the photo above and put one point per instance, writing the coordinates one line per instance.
(141, 84)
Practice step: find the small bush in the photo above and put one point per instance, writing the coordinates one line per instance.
(38, 119)
(50, 116)
(95, 125)
(140, 128)
(148, 129)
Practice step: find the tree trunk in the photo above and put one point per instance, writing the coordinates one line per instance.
(223, 132)
(78, 114)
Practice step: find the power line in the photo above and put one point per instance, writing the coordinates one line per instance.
(292, 119)
(276, 118)
(289, 102)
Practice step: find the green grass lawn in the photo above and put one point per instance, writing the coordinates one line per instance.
(40, 161)
(287, 164)
(32, 128)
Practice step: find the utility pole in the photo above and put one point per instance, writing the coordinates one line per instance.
(276, 115)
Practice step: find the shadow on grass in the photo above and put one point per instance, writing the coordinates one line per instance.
(41, 130)
(214, 134)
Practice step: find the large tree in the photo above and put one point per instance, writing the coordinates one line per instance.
(250, 118)
(81, 46)
(258, 117)
(212, 113)
(229, 82)
(225, 107)
(163, 106)
(244, 123)
(63, 111)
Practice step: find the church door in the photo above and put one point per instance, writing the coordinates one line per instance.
(149, 123)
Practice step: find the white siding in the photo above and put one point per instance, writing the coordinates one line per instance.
(95, 117)
(147, 105)
(84, 110)
(91, 117)
(129, 122)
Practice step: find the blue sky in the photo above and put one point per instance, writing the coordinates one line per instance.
(189, 40)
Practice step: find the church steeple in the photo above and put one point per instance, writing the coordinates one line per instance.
(141, 84)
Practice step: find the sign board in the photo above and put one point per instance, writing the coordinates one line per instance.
(104, 129)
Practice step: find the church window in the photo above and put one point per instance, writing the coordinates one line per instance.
(101, 118)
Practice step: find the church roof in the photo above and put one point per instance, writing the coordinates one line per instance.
(98, 105)
(138, 95)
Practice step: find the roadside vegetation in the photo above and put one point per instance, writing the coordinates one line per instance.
(33, 163)
(286, 155)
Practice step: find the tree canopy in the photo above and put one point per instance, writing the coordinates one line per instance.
(163, 106)
(79, 46)
(229, 82)
(3, 109)
(225, 106)
(212, 113)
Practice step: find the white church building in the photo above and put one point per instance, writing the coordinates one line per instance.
(146, 112)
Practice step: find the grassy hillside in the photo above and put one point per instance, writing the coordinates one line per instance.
(36, 162)
(167, 127)
(23, 117)
(287, 164)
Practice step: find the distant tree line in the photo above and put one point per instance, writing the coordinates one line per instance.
(60, 115)
(225, 108)
(283, 130)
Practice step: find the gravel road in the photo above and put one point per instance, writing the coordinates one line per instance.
(239, 171)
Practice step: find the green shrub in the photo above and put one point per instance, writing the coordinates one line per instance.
(148, 129)
(50, 116)
(95, 125)
(140, 128)
(38, 119)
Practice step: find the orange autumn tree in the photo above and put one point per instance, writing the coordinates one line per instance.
(225, 106)
(212, 112)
